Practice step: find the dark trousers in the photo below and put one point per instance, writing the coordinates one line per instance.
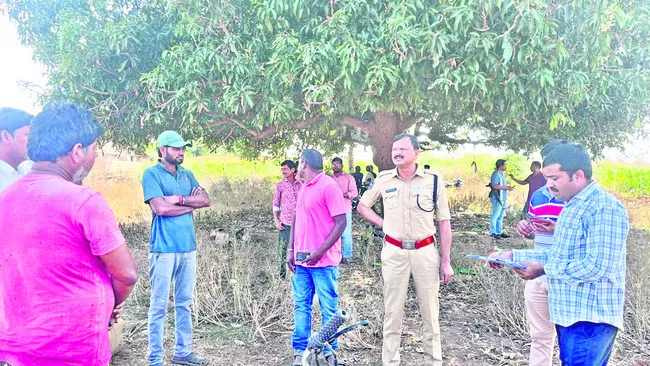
(285, 236)
(586, 343)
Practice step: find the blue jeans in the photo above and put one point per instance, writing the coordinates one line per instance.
(307, 281)
(586, 343)
(163, 269)
(496, 220)
(346, 237)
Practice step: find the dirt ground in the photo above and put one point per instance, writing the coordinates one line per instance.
(470, 334)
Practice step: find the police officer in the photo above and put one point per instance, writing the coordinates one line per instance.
(412, 199)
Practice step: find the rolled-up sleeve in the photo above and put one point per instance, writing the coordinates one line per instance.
(372, 194)
(352, 188)
(276, 198)
(442, 204)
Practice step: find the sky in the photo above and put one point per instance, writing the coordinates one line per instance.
(18, 67)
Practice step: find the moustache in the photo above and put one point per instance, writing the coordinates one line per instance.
(554, 190)
(398, 156)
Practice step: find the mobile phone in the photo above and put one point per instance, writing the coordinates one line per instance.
(301, 256)
(536, 218)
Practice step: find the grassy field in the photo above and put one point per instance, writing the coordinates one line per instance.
(631, 183)
(243, 311)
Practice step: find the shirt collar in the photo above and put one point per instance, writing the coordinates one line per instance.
(178, 168)
(418, 171)
(316, 178)
(584, 194)
(8, 169)
(285, 180)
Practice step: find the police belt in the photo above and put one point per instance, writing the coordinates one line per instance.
(410, 244)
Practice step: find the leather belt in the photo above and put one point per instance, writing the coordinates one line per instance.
(410, 244)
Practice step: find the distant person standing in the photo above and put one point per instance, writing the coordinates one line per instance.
(173, 194)
(413, 203)
(498, 196)
(349, 190)
(315, 249)
(66, 268)
(284, 209)
(535, 181)
(358, 177)
(369, 177)
(14, 131)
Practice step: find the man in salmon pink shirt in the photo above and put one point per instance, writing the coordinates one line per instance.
(66, 269)
(284, 209)
(349, 190)
(315, 249)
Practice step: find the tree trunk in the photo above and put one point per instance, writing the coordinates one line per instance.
(351, 157)
(381, 134)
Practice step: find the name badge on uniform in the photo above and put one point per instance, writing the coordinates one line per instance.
(389, 190)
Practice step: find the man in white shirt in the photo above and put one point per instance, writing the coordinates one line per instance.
(14, 131)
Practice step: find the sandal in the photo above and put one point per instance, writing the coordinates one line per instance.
(297, 360)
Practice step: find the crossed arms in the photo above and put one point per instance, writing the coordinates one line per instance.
(171, 205)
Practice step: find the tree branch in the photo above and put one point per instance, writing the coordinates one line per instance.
(452, 140)
(269, 131)
(408, 122)
(514, 24)
(354, 122)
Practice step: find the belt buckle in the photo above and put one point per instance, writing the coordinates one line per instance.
(408, 244)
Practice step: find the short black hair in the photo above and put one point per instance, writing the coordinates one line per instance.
(289, 164)
(313, 158)
(337, 159)
(368, 168)
(500, 163)
(58, 128)
(357, 168)
(427, 166)
(12, 119)
(412, 138)
(550, 146)
(571, 158)
(537, 164)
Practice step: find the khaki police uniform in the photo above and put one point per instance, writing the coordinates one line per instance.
(409, 216)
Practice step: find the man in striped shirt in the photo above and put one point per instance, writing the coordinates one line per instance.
(543, 212)
(586, 265)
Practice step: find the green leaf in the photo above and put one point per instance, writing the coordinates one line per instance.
(507, 50)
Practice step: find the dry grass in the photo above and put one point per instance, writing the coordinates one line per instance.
(240, 297)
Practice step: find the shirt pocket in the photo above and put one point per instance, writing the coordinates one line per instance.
(391, 200)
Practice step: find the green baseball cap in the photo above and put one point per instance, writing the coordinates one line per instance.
(172, 138)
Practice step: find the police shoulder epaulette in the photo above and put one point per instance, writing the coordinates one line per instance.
(384, 173)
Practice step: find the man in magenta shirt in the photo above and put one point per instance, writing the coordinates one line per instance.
(349, 190)
(315, 249)
(66, 269)
(535, 181)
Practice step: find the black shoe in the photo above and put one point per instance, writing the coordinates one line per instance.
(504, 236)
(495, 236)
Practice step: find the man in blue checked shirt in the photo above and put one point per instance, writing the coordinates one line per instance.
(586, 265)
